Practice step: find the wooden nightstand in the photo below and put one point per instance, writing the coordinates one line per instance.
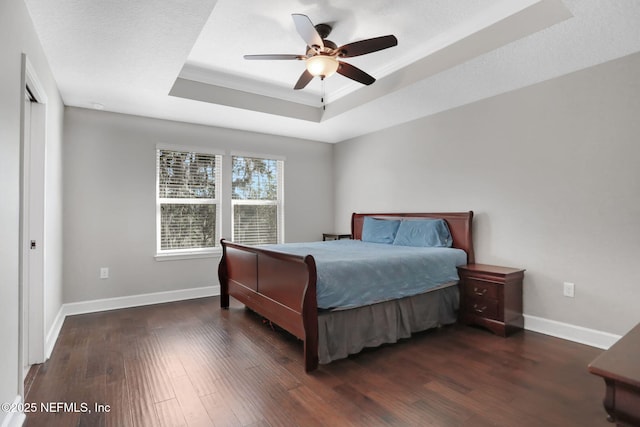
(335, 236)
(491, 296)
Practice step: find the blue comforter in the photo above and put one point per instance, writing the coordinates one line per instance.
(352, 273)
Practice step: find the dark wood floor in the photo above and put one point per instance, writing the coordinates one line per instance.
(192, 364)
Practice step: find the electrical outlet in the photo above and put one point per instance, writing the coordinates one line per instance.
(104, 272)
(569, 290)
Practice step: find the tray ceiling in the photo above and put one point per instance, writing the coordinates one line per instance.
(183, 60)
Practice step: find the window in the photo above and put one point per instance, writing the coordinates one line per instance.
(187, 201)
(256, 200)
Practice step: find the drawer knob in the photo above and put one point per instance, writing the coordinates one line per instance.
(479, 310)
(479, 292)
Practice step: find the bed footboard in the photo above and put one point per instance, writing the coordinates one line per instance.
(281, 287)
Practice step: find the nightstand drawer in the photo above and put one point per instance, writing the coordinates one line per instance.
(482, 307)
(480, 289)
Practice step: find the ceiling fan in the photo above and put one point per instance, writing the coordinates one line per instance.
(322, 55)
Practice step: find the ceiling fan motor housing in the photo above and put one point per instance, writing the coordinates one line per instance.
(323, 30)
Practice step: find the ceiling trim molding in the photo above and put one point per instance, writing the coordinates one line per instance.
(198, 91)
(247, 83)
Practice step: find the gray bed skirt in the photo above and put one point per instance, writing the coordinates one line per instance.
(345, 332)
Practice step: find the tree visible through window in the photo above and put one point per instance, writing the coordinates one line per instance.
(187, 200)
(256, 200)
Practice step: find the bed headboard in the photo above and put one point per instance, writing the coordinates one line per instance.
(459, 224)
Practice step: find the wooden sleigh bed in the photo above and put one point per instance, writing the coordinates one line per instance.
(282, 287)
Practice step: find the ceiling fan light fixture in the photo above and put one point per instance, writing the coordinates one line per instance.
(321, 54)
(322, 65)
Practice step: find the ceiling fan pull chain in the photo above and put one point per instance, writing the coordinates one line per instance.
(323, 94)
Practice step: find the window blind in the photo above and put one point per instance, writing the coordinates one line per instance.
(187, 200)
(186, 175)
(256, 191)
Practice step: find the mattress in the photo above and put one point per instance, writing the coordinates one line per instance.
(352, 273)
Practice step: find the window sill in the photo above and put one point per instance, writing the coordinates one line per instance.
(188, 255)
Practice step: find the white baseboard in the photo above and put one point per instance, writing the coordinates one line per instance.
(14, 419)
(52, 336)
(94, 306)
(570, 332)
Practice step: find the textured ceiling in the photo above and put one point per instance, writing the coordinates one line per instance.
(183, 61)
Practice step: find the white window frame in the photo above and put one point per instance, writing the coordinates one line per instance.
(175, 254)
(279, 202)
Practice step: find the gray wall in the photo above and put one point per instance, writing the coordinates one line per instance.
(109, 204)
(552, 173)
(18, 36)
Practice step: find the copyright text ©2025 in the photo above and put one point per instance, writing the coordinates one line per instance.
(54, 407)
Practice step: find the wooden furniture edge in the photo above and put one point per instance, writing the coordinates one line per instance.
(618, 368)
(295, 311)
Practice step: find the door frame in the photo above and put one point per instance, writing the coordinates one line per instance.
(31, 347)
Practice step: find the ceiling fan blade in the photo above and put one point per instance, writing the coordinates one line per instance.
(355, 73)
(304, 80)
(367, 46)
(307, 31)
(275, 56)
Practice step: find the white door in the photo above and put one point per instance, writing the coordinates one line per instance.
(32, 231)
